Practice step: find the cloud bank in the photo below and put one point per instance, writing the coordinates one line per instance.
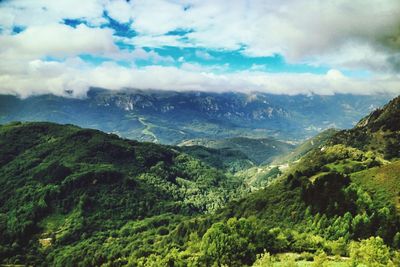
(116, 44)
(40, 77)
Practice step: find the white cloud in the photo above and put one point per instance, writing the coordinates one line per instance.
(43, 12)
(119, 10)
(156, 41)
(20, 54)
(58, 40)
(358, 34)
(40, 77)
(62, 42)
(204, 55)
(140, 53)
(299, 30)
(355, 56)
(156, 17)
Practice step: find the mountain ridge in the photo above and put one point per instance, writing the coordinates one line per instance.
(171, 117)
(73, 196)
(378, 131)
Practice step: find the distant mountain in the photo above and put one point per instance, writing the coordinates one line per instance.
(259, 151)
(379, 131)
(315, 142)
(171, 117)
(77, 197)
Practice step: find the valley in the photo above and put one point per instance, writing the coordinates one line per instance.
(186, 133)
(172, 117)
(73, 196)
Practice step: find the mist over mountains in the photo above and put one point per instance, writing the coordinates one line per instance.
(186, 133)
(171, 117)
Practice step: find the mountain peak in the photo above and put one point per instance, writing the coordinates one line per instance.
(385, 118)
(379, 132)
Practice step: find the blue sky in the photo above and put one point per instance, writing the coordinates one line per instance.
(284, 47)
(229, 60)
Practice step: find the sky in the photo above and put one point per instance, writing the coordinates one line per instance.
(64, 47)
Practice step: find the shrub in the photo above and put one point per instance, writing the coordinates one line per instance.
(264, 260)
(372, 252)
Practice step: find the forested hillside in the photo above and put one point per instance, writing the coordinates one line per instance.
(76, 197)
(259, 151)
(188, 133)
(226, 159)
(60, 184)
(314, 142)
(346, 189)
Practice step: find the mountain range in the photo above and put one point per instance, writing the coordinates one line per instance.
(82, 197)
(171, 117)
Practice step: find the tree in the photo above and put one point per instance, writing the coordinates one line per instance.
(360, 226)
(320, 260)
(221, 245)
(396, 240)
(373, 252)
(235, 242)
(264, 260)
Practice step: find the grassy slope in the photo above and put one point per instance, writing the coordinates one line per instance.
(383, 182)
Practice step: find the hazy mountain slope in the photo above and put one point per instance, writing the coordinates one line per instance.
(171, 117)
(260, 151)
(315, 142)
(380, 131)
(83, 112)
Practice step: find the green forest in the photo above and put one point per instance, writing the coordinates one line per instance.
(78, 197)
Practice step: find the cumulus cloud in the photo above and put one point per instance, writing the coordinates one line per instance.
(339, 34)
(58, 40)
(75, 75)
(204, 55)
(43, 12)
(301, 30)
